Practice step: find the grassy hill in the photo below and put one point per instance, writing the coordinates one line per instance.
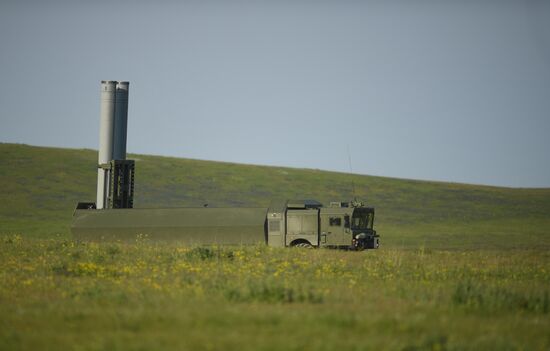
(40, 187)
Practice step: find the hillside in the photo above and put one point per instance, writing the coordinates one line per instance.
(40, 187)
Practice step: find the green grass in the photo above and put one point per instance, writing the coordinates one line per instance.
(461, 267)
(57, 294)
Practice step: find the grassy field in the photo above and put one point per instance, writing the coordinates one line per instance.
(56, 294)
(461, 267)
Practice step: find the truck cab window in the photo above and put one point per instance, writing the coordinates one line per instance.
(335, 221)
(362, 219)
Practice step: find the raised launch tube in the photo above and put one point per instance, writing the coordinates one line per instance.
(121, 121)
(113, 124)
(106, 126)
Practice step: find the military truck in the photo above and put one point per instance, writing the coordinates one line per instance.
(294, 223)
(310, 224)
(306, 223)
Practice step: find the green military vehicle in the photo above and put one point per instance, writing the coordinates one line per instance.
(310, 224)
(294, 223)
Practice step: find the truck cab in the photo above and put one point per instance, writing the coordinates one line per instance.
(307, 223)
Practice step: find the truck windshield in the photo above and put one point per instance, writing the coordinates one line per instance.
(362, 218)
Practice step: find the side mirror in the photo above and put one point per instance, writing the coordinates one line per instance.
(346, 221)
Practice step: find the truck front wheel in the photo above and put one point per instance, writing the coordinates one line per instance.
(358, 244)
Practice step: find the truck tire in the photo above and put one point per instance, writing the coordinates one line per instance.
(303, 245)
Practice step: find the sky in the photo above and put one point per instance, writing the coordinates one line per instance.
(441, 90)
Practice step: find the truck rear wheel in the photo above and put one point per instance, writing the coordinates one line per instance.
(302, 244)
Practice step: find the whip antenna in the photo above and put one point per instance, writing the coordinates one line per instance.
(351, 174)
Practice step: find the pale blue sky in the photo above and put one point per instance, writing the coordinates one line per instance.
(438, 90)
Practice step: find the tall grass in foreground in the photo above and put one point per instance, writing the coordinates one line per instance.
(57, 294)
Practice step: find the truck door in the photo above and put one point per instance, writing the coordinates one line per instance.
(332, 229)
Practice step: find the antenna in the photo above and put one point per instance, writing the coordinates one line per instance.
(351, 174)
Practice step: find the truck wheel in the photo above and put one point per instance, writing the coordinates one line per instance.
(304, 245)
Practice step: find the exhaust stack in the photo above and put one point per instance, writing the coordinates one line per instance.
(115, 174)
